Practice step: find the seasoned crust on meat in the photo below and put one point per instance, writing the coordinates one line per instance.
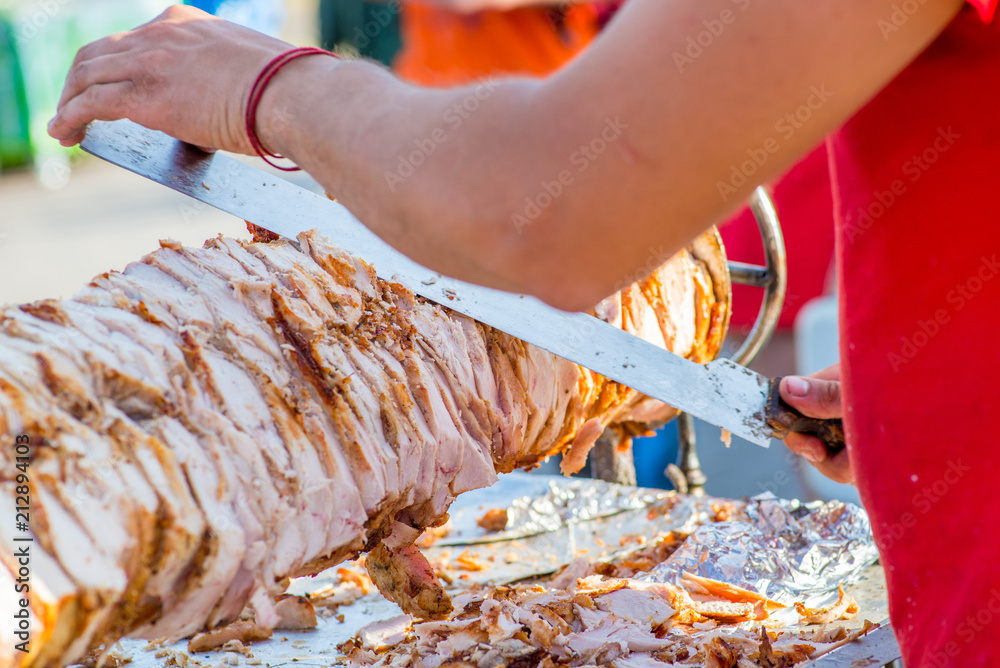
(211, 422)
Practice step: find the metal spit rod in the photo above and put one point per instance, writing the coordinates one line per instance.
(773, 278)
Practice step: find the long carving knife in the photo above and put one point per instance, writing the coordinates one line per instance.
(721, 392)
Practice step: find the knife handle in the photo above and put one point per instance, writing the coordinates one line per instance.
(783, 419)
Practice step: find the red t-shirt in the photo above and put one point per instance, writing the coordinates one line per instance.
(803, 201)
(918, 242)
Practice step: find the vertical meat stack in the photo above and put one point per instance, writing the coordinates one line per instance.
(210, 422)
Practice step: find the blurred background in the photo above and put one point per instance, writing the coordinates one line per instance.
(65, 217)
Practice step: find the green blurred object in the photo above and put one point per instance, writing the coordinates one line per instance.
(44, 36)
(370, 28)
(15, 145)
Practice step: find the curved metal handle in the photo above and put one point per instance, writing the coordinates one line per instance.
(773, 277)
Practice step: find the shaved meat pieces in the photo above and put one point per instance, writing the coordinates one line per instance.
(244, 630)
(386, 634)
(295, 613)
(494, 520)
(691, 611)
(210, 422)
(575, 458)
(643, 608)
(597, 622)
(845, 608)
(730, 592)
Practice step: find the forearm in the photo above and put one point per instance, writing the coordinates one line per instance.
(566, 188)
(495, 183)
(572, 187)
(455, 179)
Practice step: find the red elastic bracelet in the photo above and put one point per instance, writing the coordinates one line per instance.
(257, 92)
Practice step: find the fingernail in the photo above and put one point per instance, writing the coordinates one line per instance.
(813, 455)
(797, 387)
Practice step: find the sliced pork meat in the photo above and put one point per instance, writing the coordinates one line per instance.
(619, 623)
(210, 422)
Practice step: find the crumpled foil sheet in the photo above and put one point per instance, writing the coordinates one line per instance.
(787, 550)
(572, 501)
(775, 546)
(540, 504)
(513, 558)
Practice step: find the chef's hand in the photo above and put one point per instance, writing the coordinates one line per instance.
(186, 73)
(817, 396)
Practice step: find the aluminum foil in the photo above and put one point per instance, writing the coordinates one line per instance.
(787, 550)
(602, 539)
(539, 504)
(572, 502)
(783, 548)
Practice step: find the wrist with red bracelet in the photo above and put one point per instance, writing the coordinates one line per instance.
(257, 93)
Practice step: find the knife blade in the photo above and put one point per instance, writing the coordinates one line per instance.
(721, 392)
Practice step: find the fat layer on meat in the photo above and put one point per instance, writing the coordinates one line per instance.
(210, 422)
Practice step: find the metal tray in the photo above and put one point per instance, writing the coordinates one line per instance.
(597, 536)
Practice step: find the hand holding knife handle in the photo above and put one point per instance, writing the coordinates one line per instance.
(783, 419)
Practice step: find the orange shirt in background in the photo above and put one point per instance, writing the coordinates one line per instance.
(444, 48)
